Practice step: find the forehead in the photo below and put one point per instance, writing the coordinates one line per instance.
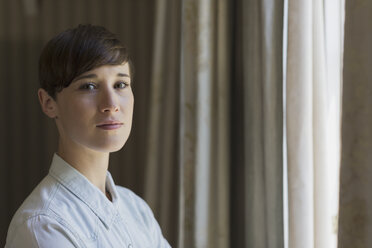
(107, 71)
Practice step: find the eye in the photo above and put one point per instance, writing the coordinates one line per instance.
(88, 86)
(121, 85)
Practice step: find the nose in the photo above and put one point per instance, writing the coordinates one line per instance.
(108, 102)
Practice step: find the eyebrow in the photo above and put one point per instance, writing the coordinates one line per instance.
(95, 76)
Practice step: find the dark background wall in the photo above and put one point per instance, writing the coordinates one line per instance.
(28, 138)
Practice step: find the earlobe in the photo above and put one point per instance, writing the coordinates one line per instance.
(47, 103)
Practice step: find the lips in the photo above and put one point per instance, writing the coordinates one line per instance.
(110, 125)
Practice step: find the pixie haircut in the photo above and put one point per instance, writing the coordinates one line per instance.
(76, 51)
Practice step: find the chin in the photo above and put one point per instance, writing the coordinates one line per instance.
(110, 148)
(116, 149)
(106, 146)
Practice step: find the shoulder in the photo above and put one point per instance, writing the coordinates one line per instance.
(36, 203)
(41, 230)
(39, 217)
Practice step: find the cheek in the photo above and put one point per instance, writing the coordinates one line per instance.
(77, 114)
(127, 104)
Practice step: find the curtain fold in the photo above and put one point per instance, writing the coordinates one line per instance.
(299, 124)
(188, 125)
(204, 104)
(355, 215)
(206, 78)
(263, 122)
(162, 153)
(206, 149)
(313, 121)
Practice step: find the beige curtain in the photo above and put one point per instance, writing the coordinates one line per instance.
(355, 221)
(225, 65)
(206, 149)
(262, 36)
(313, 109)
(162, 142)
(204, 125)
(189, 123)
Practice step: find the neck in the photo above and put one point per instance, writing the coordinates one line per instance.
(92, 164)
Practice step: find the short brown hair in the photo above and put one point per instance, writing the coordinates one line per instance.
(75, 51)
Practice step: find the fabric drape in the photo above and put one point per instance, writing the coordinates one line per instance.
(312, 117)
(262, 37)
(162, 152)
(206, 148)
(355, 215)
(206, 78)
(204, 122)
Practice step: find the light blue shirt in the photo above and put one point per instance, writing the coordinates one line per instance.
(66, 210)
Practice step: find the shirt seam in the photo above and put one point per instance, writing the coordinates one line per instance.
(62, 222)
(70, 227)
(33, 232)
(32, 219)
(66, 225)
(46, 206)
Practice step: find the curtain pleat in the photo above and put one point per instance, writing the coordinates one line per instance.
(312, 101)
(206, 148)
(196, 70)
(162, 147)
(299, 124)
(263, 122)
(355, 215)
(201, 138)
(221, 137)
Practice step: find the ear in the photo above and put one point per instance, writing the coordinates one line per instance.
(48, 104)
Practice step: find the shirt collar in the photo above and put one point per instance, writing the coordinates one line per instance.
(82, 188)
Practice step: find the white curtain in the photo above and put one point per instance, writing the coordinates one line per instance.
(313, 120)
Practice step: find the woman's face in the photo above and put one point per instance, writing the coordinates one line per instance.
(95, 110)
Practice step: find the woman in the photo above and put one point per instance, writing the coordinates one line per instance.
(85, 77)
